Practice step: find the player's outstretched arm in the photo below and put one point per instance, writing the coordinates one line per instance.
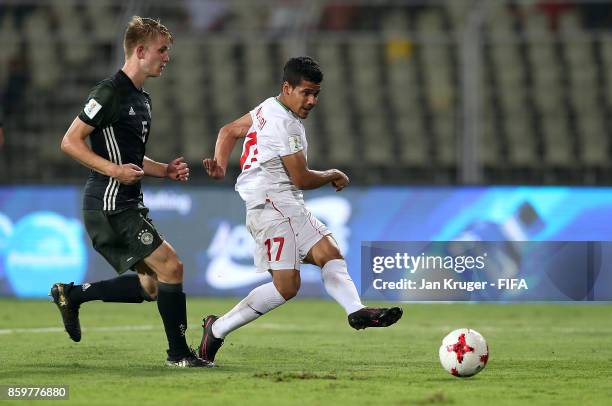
(73, 144)
(228, 135)
(175, 170)
(304, 178)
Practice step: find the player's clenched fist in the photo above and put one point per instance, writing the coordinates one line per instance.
(213, 169)
(178, 170)
(128, 174)
(340, 181)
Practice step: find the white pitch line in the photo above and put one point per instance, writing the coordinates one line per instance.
(61, 330)
(286, 327)
(38, 330)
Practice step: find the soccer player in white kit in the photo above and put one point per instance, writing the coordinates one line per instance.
(274, 173)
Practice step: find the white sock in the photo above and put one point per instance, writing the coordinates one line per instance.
(258, 302)
(340, 286)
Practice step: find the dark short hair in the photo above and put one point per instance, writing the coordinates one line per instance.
(302, 68)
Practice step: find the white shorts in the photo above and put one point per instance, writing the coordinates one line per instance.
(283, 235)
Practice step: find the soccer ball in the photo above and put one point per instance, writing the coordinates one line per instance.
(464, 352)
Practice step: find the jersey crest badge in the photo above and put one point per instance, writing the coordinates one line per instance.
(132, 112)
(145, 237)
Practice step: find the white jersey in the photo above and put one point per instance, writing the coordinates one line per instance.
(276, 132)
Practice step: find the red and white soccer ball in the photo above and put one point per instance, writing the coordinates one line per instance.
(464, 352)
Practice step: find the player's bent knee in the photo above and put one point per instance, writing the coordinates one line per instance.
(331, 257)
(174, 270)
(179, 269)
(288, 290)
(177, 273)
(287, 283)
(324, 251)
(288, 293)
(334, 255)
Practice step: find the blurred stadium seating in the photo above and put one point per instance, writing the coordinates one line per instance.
(392, 106)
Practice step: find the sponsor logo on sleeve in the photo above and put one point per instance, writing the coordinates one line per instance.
(91, 108)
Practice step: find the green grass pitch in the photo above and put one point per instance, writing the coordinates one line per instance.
(305, 353)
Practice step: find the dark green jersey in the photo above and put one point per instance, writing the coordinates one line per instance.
(121, 115)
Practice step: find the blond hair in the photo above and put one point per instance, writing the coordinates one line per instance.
(141, 30)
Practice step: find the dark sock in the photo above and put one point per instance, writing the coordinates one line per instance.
(124, 289)
(173, 311)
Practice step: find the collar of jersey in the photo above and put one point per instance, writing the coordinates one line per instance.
(286, 108)
(127, 79)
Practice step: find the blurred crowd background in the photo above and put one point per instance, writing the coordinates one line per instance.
(436, 92)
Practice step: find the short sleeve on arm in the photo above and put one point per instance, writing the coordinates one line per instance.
(291, 139)
(100, 107)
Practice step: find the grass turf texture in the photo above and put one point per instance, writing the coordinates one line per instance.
(305, 353)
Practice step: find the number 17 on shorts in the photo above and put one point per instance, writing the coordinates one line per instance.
(275, 244)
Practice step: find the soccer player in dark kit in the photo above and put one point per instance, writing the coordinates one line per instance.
(117, 120)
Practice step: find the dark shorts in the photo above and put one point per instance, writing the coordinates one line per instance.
(123, 237)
